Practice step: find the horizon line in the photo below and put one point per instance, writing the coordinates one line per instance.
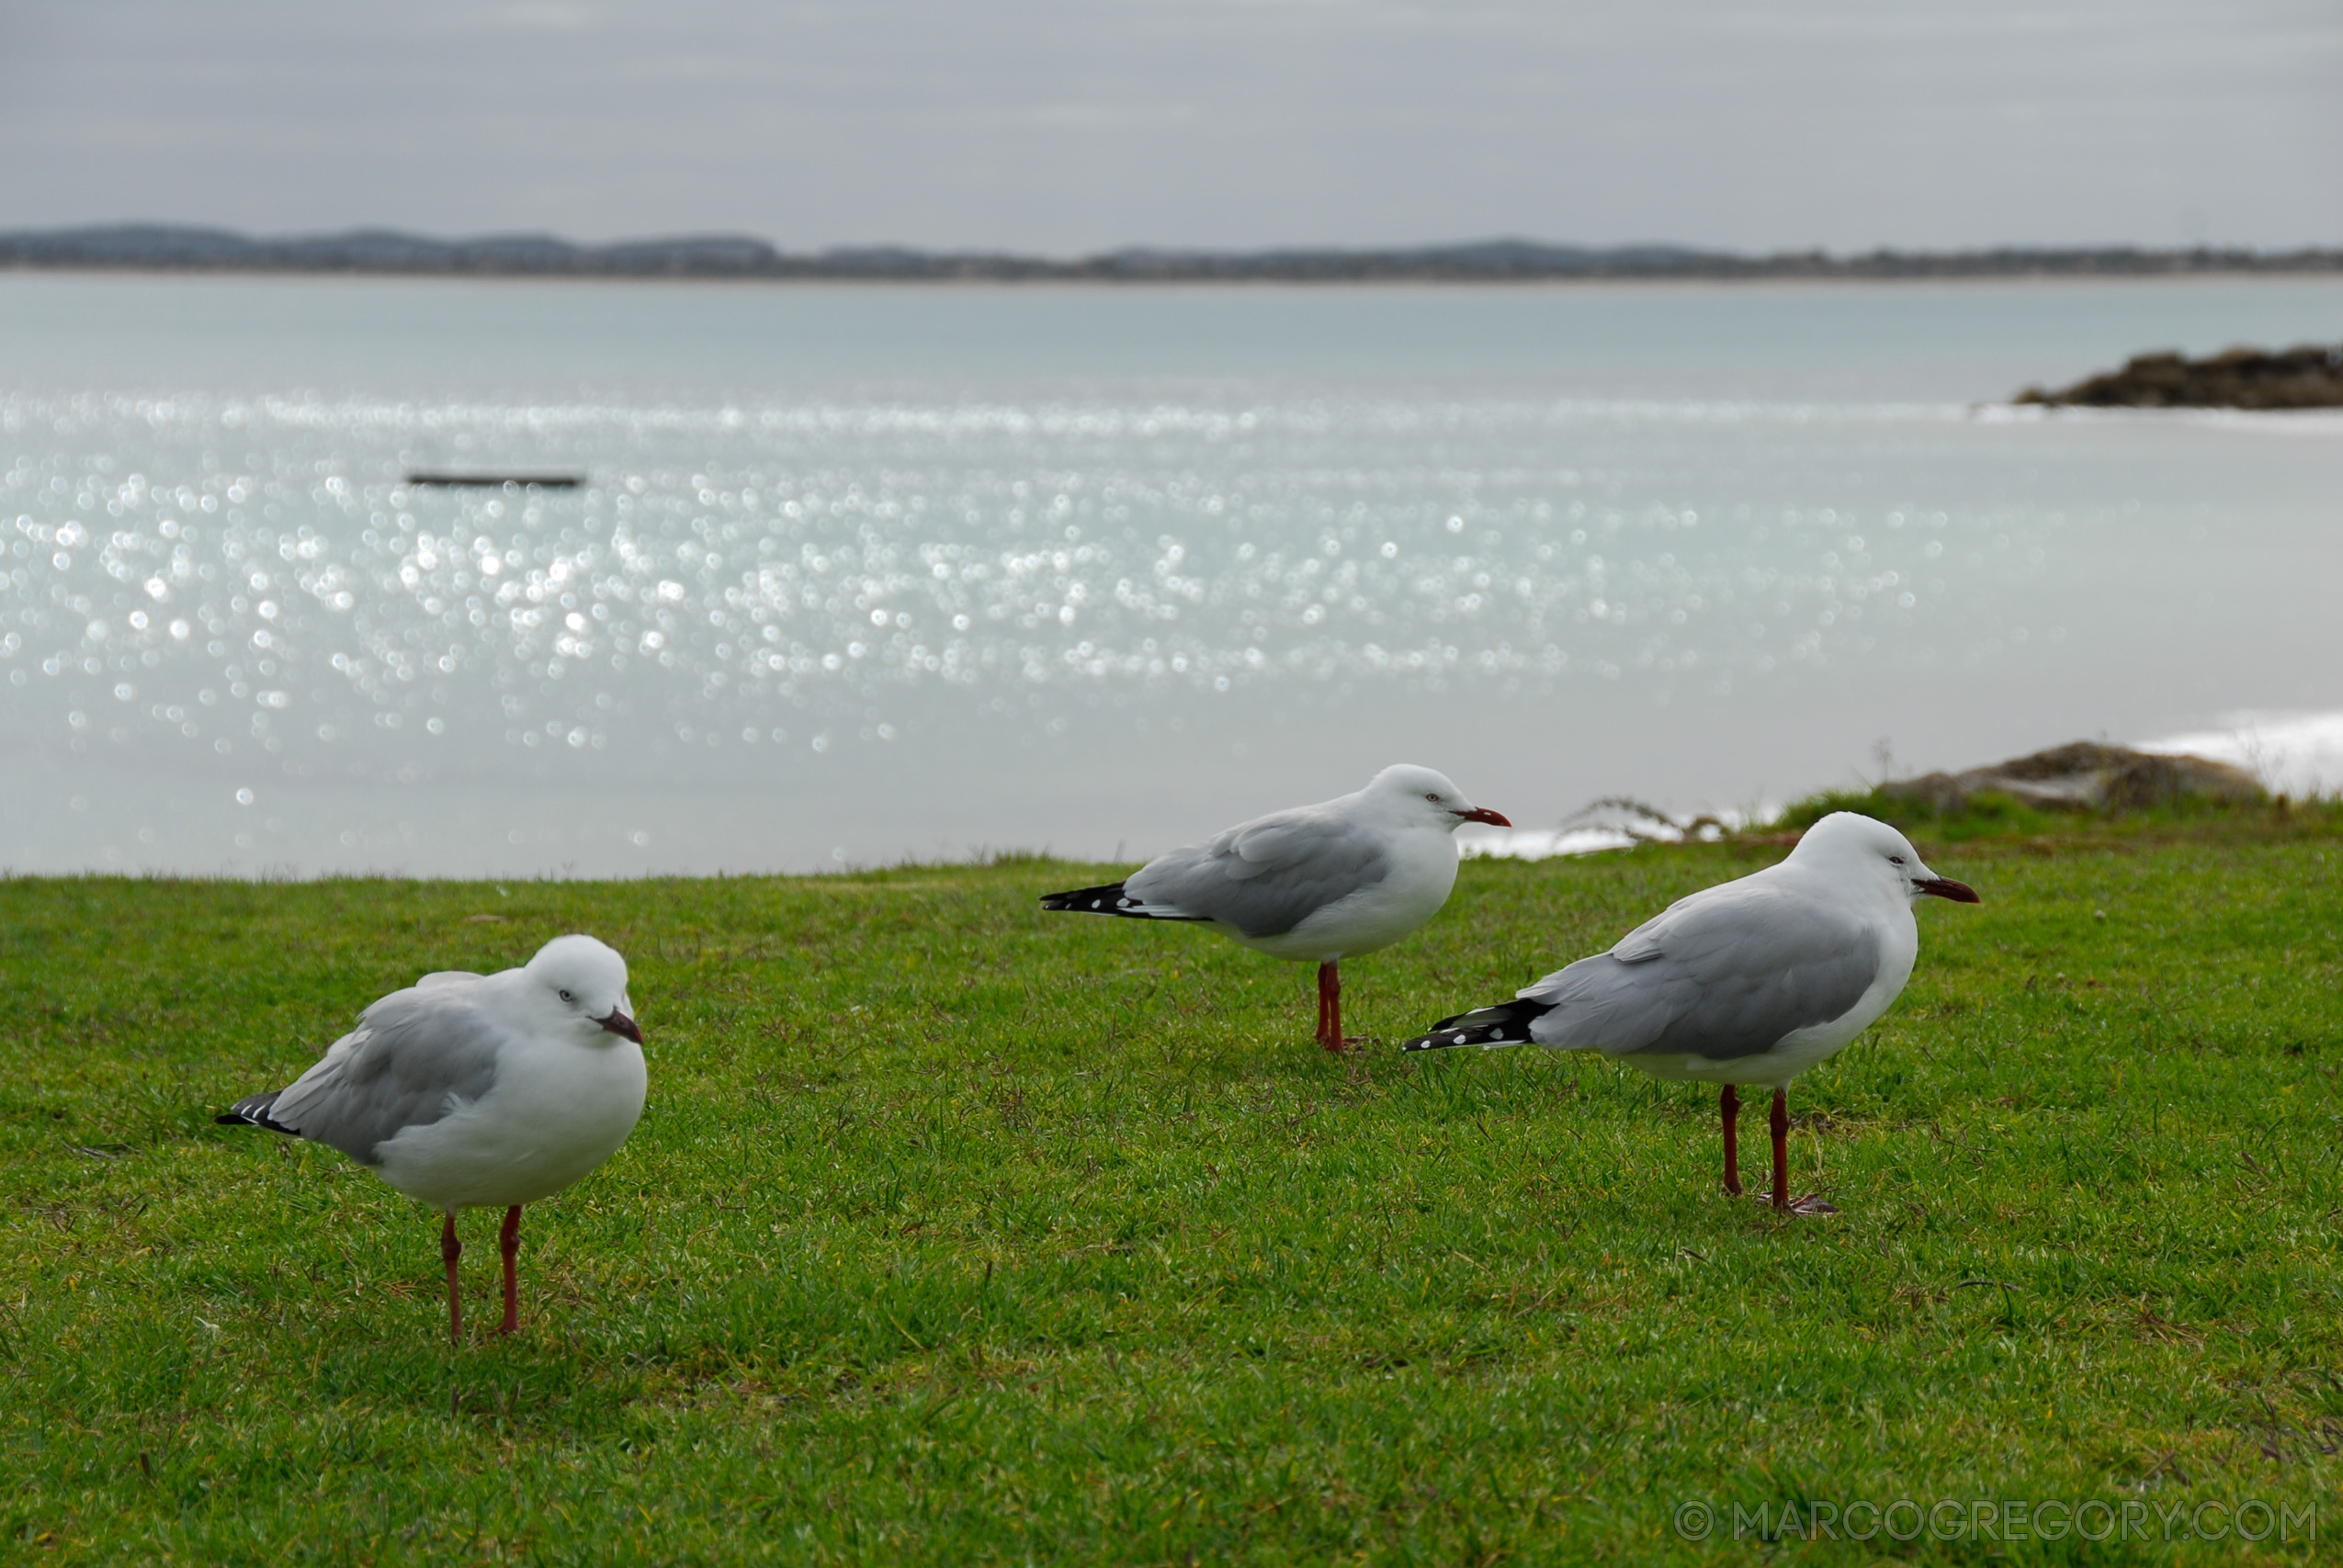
(378, 250)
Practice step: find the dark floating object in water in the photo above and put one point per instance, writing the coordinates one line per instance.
(2306, 378)
(542, 481)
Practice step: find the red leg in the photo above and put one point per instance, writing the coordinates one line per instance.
(1728, 1106)
(1330, 1007)
(1782, 1148)
(509, 1240)
(451, 1249)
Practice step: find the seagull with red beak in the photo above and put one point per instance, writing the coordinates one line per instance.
(478, 1091)
(1750, 982)
(1316, 883)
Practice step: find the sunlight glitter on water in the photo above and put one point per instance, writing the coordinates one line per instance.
(857, 574)
(264, 578)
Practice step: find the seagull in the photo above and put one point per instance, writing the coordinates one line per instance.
(1750, 982)
(478, 1091)
(1316, 883)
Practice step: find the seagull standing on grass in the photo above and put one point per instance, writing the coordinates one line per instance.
(1749, 982)
(1318, 884)
(478, 1091)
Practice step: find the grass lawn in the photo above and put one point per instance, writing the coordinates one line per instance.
(959, 1233)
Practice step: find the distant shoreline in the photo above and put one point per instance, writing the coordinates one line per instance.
(165, 249)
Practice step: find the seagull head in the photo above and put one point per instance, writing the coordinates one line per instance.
(1425, 795)
(580, 980)
(1847, 843)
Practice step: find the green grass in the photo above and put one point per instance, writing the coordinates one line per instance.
(1989, 813)
(957, 1233)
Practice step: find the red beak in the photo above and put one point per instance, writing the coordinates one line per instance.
(1945, 887)
(1483, 814)
(620, 1025)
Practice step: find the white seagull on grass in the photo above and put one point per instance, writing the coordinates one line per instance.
(1749, 982)
(1318, 884)
(478, 1091)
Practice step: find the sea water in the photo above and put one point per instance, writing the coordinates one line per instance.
(856, 574)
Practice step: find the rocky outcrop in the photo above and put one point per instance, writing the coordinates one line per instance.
(2306, 378)
(2085, 776)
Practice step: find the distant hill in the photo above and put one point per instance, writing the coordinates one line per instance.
(154, 247)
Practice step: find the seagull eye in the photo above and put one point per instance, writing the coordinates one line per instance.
(567, 998)
(1895, 860)
(1434, 798)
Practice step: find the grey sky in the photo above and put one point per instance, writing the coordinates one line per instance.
(1071, 125)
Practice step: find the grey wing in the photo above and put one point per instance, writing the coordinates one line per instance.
(1269, 875)
(1721, 974)
(415, 1057)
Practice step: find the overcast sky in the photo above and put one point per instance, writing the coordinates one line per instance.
(1065, 126)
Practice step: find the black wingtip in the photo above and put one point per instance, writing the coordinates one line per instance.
(1507, 1024)
(253, 1112)
(1109, 899)
(1112, 899)
(1441, 1039)
(1082, 900)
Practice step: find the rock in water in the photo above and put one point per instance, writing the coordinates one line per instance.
(2306, 378)
(2086, 776)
